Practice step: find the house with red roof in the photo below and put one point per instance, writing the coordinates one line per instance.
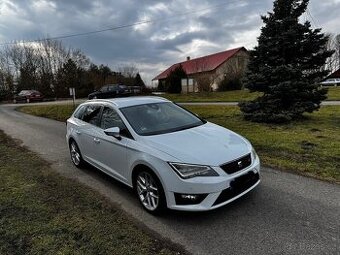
(333, 79)
(209, 71)
(336, 74)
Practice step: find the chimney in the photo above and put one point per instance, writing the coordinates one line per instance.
(188, 58)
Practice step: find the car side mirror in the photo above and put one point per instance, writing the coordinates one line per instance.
(114, 132)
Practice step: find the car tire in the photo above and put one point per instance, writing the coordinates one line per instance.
(76, 156)
(150, 192)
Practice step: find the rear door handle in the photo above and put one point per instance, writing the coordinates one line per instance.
(96, 140)
(78, 132)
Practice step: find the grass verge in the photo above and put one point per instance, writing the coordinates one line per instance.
(333, 94)
(45, 213)
(233, 96)
(309, 147)
(56, 112)
(229, 96)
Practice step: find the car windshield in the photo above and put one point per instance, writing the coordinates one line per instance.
(159, 118)
(24, 92)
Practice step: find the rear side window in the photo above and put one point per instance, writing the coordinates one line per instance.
(92, 114)
(112, 88)
(104, 89)
(80, 112)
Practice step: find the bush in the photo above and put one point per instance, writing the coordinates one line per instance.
(230, 84)
(5, 95)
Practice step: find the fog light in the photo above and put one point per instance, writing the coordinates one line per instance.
(189, 199)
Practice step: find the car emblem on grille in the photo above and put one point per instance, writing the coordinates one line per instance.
(239, 164)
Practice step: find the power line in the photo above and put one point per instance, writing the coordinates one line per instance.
(120, 26)
(316, 24)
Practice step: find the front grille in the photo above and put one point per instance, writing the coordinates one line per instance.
(237, 165)
(237, 186)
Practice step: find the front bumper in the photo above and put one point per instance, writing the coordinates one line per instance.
(216, 191)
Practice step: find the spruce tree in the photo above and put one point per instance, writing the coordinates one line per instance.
(173, 82)
(286, 66)
(138, 81)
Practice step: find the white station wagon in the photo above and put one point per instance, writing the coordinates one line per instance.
(169, 156)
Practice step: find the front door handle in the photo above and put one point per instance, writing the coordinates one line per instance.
(96, 140)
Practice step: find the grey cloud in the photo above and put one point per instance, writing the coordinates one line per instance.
(219, 26)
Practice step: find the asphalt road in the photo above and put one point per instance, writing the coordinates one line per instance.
(286, 214)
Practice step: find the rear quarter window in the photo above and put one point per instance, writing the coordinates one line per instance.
(80, 112)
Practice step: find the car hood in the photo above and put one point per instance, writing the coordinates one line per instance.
(208, 144)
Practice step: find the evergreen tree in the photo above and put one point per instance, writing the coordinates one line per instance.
(286, 66)
(105, 72)
(67, 77)
(160, 86)
(139, 81)
(173, 82)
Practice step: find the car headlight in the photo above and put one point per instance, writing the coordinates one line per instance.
(187, 171)
(253, 155)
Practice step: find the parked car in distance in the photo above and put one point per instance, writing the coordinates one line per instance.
(28, 96)
(331, 82)
(169, 156)
(110, 91)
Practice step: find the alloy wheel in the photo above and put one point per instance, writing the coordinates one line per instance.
(148, 191)
(75, 154)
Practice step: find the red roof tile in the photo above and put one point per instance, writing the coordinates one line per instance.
(202, 64)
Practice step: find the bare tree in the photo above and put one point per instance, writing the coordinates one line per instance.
(35, 65)
(337, 51)
(128, 71)
(229, 76)
(333, 62)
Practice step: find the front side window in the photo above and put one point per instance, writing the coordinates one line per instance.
(160, 118)
(92, 114)
(112, 88)
(104, 89)
(80, 112)
(24, 92)
(110, 118)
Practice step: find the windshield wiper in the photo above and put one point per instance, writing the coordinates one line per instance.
(188, 127)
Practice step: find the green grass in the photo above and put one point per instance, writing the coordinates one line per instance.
(56, 112)
(45, 213)
(333, 93)
(310, 147)
(229, 96)
(232, 96)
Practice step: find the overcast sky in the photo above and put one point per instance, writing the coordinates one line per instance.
(180, 28)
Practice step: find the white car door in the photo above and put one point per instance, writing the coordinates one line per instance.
(89, 132)
(111, 152)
